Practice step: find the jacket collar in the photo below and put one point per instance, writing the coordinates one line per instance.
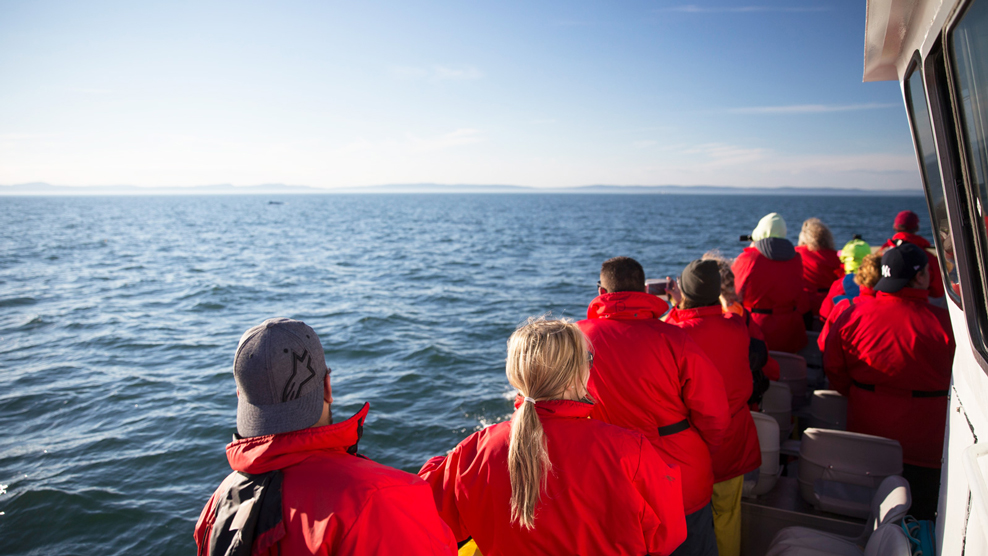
(776, 248)
(866, 291)
(911, 294)
(559, 408)
(260, 454)
(698, 312)
(627, 306)
(916, 240)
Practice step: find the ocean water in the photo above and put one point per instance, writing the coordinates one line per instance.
(119, 318)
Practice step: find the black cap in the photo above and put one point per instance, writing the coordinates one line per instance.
(700, 282)
(899, 266)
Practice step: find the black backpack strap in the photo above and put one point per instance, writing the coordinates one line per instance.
(247, 506)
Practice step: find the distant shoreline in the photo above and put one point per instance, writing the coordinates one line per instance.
(48, 190)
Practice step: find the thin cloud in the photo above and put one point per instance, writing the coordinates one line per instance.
(811, 108)
(694, 9)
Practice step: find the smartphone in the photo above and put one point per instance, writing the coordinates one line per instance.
(657, 286)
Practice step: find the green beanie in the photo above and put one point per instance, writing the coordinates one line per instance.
(853, 253)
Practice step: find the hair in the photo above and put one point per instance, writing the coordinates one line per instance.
(545, 357)
(870, 271)
(727, 292)
(816, 235)
(622, 274)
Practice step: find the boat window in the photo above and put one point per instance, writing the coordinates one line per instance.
(926, 149)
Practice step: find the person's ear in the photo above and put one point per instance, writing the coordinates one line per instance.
(327, 390)
(601, 290)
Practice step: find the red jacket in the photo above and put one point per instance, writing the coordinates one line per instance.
(892, 358)
(609, 492)
(936, 281)
(820, 269)
(334, 503)
(649, 374)
(776, 286)
(867, 294)
(724, 338)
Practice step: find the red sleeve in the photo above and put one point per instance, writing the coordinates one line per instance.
(771, 369)
(440, 473)
(834, 362)
(398, 521)
(741, 269)
(660, 484)
(704, 394)
(204, 527)
(837, 288)
(803, 300)
(936, 280)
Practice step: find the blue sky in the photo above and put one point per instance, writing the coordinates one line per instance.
(548, 94)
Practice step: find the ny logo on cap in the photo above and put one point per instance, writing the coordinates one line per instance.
(292, 390)
(886, 271)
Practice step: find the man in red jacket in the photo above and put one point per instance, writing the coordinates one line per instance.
(298, 485)
(651, 377)
(906, 225)
(724, 338)
(891, 358)
(769, 278)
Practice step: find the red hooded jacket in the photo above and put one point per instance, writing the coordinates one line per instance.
(724, 338)
(335, 503)
(648, 375)
(936, 281)
(892, 358)
(609, 492)
(772, 289)
(820, 269)
(867, 294)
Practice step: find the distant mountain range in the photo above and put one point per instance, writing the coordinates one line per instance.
(433, 188)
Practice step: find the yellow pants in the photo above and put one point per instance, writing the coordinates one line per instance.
(469, 549)
(726, 505)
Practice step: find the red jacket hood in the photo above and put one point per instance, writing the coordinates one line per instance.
(911, 294)
(916, 240)
(681, 315)
(627, 306)
(559, 408)
(260, 454)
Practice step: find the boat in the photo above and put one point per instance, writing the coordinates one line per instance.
(938, 52)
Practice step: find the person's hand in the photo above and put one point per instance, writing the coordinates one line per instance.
(673, 291)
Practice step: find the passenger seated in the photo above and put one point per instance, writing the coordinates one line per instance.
(551, 480)
(892, 358)
(724, 338)
(769, 277)
(298, 485)
(851, 255)
(651, 377)
(821, 265)
(865, 279)
(906, 225)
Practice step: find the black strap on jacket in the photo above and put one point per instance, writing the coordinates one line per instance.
(915, 393)
(758, 311)
(674, 428)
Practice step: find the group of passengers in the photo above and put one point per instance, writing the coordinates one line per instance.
(631, 433)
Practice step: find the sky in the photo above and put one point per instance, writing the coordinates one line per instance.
(543, 94)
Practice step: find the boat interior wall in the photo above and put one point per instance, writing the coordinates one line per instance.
(840, 471)
(895, 29)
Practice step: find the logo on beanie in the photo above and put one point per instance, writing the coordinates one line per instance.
(886, 271)
(292, 390)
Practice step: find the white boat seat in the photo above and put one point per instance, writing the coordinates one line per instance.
(888, 540)
(777, 403)
(828, 410)
(840, 471)
(768, 474)
(889, 505)
(792, 372)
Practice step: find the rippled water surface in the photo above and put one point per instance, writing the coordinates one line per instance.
(119, 318)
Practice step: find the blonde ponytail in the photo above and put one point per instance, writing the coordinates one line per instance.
(545, 357)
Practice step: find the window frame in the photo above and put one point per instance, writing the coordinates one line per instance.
(963, 196)
(940, 136)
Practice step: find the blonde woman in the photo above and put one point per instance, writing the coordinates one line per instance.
(821, 265)
(551, 480)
